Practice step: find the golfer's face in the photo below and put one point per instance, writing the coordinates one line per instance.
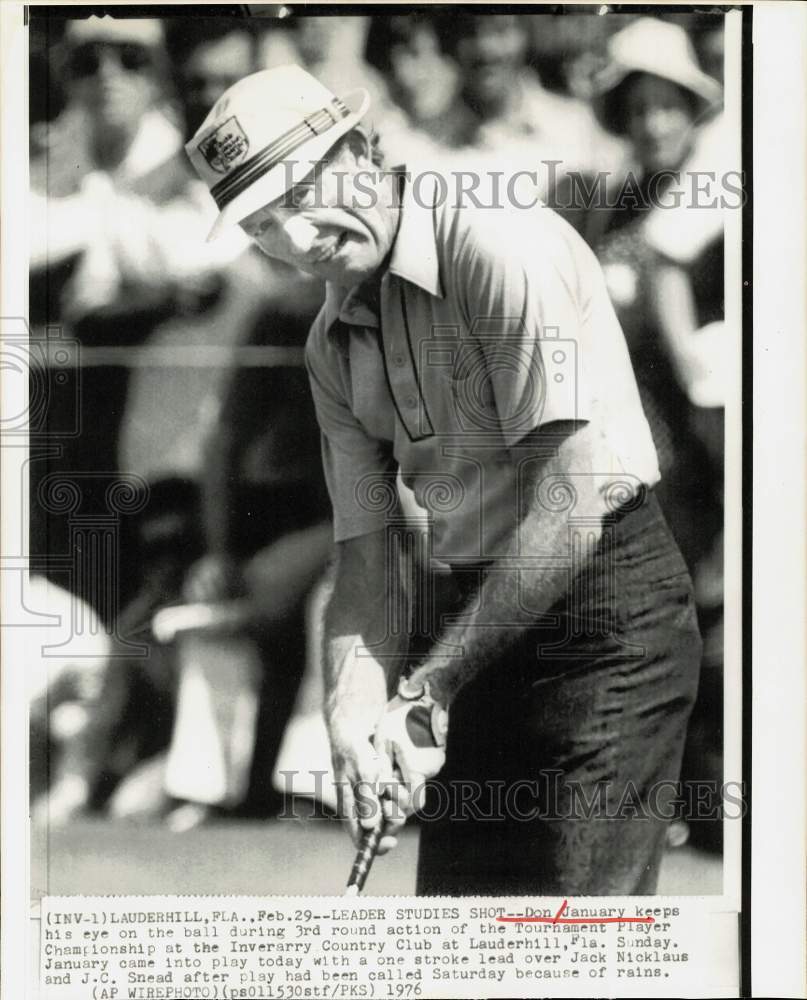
(337, 224)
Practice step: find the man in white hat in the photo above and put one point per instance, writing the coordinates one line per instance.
(472, 355)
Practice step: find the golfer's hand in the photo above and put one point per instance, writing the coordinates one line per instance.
(367, 789)
(412, 735)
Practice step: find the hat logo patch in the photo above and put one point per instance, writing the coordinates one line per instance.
(225, 147)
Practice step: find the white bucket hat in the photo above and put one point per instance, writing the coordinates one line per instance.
(658, 48)
(265, 134)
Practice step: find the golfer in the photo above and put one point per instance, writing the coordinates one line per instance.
(467, 355)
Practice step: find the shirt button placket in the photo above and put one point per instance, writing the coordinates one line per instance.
(400, 366)
(404, 384)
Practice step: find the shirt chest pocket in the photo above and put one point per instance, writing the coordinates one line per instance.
(371, 402)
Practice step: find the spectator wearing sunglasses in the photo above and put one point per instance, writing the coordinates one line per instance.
(115, 132)
(114, 71)
(130, 221)
(118, 253)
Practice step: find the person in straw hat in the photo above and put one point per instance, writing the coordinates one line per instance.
(472, 355)
(652, 91)
(660, 244)
(661, 249)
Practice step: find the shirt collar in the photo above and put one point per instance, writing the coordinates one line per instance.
(413, 257)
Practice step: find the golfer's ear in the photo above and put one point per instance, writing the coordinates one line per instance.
(358, 142)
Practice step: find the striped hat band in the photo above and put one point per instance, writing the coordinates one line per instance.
(277, 150)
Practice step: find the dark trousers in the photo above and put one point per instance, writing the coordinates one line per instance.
(563, 754)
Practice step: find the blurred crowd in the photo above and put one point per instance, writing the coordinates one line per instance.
(202, 688)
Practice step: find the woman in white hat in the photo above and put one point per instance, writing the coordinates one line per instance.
(664, 268)
(654, 94)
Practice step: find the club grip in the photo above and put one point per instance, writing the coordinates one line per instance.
(364, 857)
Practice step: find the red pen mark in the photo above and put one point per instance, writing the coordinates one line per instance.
(558, 919)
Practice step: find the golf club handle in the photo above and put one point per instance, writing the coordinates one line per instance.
(364, 857)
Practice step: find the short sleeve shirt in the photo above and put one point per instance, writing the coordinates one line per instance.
(492, 323)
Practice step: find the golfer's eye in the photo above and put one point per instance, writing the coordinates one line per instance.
(259, 228)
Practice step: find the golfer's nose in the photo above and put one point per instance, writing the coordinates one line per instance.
(300, 232)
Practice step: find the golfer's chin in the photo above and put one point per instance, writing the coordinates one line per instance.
(350, 268)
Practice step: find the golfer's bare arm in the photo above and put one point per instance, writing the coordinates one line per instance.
(361, 665)
(361, 658)
(583, 463)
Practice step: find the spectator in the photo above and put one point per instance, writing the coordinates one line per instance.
(114, 131)
(663, 264)
(136, 215)
(664, 267)
(213, 303)
(92, 270)
(231, 428)
(151, 225)
(332, 49)
(421, 80)
(118, 227)
(710, 47)
(208, 55)
(566, 49)
(506, 114)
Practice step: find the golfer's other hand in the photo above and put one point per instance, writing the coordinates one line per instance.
(412, 735)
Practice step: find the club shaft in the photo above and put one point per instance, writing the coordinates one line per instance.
(364, 860)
